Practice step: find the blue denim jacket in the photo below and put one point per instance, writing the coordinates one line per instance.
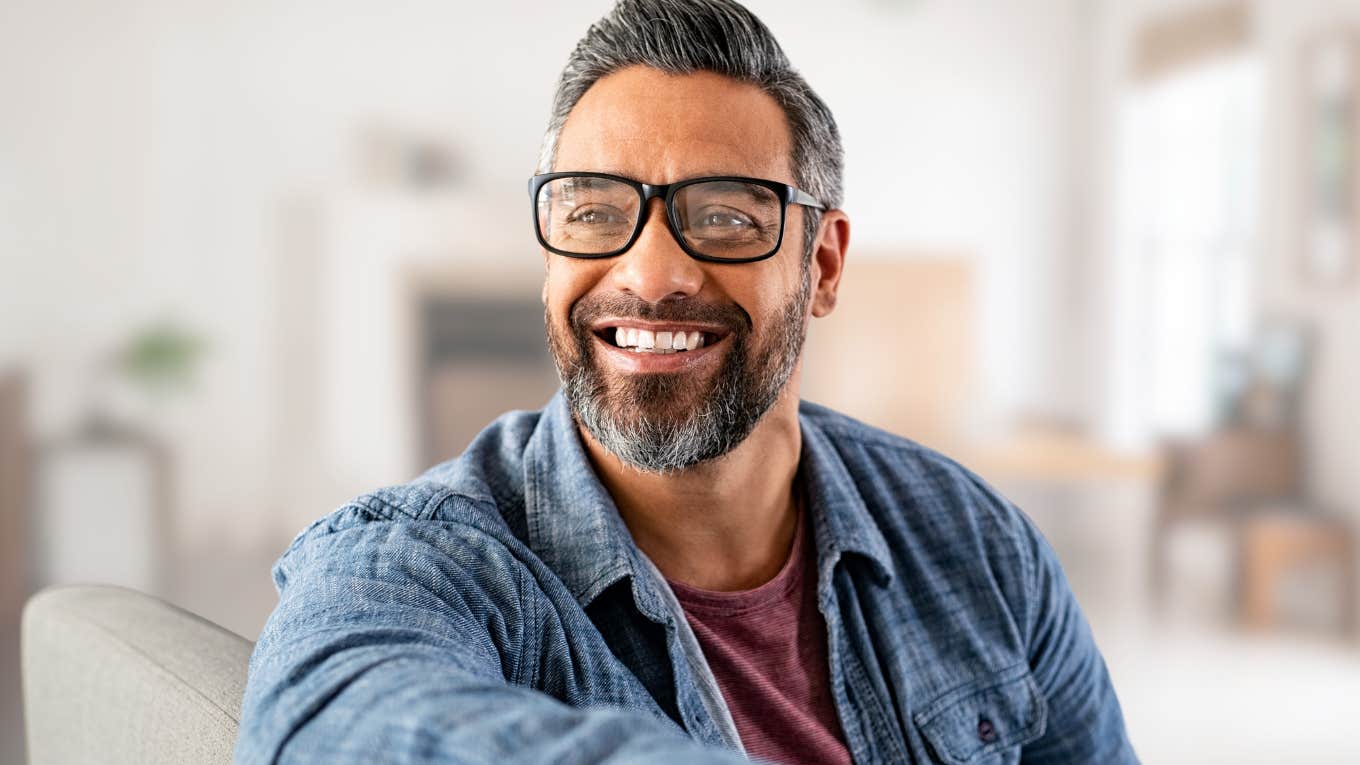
(496, 610)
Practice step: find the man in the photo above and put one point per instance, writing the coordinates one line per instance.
(676, 560)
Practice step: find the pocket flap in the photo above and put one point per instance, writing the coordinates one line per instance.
(992, 713)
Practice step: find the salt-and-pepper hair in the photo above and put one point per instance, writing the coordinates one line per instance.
(686, 36)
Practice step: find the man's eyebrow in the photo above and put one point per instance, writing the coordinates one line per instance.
(753, 190)
(588, 182)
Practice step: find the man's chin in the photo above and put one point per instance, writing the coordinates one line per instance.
(646, 389)
(661, 402)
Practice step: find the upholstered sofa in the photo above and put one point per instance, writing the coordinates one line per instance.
(114, 676)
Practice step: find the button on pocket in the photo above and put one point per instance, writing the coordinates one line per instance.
(987, 715)
(986, 733)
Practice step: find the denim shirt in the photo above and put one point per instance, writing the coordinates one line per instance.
(496, 610)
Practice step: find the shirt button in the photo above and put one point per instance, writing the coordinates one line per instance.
(986, 731)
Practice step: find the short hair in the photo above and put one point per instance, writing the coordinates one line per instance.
(721, 36)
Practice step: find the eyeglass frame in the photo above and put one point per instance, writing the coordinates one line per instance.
(666, 192)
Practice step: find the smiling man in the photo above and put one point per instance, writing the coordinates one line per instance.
(677, 560)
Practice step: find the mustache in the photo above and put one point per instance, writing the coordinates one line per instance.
(591, 308)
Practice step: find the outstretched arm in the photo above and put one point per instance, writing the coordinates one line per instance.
(392, 642)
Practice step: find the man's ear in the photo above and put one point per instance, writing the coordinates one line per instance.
(828, 260)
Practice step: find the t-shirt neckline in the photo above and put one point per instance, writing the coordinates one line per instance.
(760, 597)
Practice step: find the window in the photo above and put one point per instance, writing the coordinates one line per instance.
(1185, 233)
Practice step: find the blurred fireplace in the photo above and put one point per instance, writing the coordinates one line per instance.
(479, 357)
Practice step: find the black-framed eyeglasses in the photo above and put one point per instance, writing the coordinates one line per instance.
(721, 219)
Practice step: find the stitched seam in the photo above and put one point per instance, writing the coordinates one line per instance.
(1031, 565)
(1001, 742)
(968, 690)
(866, 435)
(179, 682)
(373, 517)
(879, 717)
(526, 606)
(375, 508)
(954, 698)
(376, 503)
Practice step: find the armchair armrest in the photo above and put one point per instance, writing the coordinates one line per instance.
(112, 675)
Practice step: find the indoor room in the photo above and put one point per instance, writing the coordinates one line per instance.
(258, 259)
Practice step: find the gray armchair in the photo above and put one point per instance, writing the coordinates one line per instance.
(112, 675)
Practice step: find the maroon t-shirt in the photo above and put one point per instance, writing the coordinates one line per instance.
(767, 649)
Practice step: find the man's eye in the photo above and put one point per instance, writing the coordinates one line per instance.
(721, 220)
(596, 216)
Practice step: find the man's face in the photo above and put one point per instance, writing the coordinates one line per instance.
(656, 411)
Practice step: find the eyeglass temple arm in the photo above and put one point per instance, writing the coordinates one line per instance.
(801, 197)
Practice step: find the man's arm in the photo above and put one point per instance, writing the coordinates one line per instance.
(385, 647)
(1085, 724)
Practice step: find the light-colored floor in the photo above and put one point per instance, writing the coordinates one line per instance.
(1197, 696)
(1194, 689)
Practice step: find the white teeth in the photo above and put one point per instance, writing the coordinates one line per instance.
(645, 340)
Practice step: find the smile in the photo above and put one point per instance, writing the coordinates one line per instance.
(656, 348)
(644, 340)
(664, 339)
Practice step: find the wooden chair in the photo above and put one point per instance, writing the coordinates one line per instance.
(1249, 479)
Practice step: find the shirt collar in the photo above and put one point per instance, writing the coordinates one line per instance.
(575, 528)
(573, 524)
(841, 521)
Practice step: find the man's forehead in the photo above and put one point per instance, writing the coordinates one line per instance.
(659, 128)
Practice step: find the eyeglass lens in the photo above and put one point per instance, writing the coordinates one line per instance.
(719, 219)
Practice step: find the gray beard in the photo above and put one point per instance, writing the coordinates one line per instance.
(647, 420)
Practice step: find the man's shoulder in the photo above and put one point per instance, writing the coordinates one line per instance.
(872, 454)
(955, 542)
(844, 429)
(911, 489)
(491, 469)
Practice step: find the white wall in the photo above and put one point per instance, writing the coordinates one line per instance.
(960, 121)
(147, 148)
(1333, 419)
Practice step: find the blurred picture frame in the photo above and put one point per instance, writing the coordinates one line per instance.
(1330, 155)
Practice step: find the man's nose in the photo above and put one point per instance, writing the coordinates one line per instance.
(655, 268)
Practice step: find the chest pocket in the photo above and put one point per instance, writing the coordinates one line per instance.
(996, 713)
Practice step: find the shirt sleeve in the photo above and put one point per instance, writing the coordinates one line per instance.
(399, 643)
(1085, 723)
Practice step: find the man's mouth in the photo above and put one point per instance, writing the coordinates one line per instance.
(677, 339)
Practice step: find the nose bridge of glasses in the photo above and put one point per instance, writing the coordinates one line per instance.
(656, 266)
(652, 213)
(654, 219)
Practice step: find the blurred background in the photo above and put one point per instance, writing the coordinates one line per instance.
(259, 257)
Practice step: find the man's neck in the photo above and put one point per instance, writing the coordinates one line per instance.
(726, 524)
